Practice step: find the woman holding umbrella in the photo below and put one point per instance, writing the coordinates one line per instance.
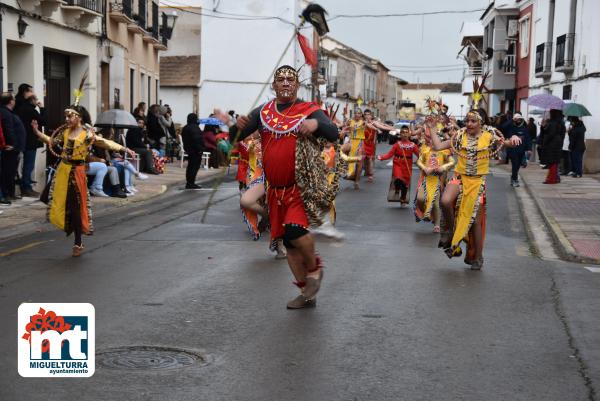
(552, 141)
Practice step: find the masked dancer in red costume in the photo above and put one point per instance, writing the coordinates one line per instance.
(282, 122)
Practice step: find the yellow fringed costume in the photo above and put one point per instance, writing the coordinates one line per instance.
(430, 186)
(473, 154)
(357, 137)
(68, 189)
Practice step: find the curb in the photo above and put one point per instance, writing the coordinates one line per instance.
(564, 247)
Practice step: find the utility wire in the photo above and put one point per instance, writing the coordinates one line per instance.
(234, 16)
(405, 14)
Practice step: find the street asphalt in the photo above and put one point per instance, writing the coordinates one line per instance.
(396, 319)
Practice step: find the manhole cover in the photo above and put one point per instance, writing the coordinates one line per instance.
(148, 358)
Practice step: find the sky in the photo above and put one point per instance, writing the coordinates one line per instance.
(416, 48)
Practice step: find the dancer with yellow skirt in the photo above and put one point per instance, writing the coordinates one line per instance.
(69, 206)
(434, 165)
(355, 129)
(464, 199)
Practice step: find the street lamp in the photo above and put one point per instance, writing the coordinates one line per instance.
(21, 26)
(168, 24)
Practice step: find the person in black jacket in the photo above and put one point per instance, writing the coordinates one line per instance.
(193, 145)
(136, 141)
(25, 108)
(576, 146)
(552, 143)
(517, 154)
(14, 133)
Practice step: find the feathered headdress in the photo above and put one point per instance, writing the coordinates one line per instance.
(78, 93)
(478, 88)
(432, 106)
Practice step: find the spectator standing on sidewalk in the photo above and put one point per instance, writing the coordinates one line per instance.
(553, 137)
(576, 146)
(26, 108)
(193, 145)
(517, 154)
(532, 136)
(3, 200)
(565, 157)
(14, 133)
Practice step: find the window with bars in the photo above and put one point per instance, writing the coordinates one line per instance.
(560, 50)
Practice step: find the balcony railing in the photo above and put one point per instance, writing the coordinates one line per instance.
(92, 5)
(565, 46)
(509, 65)
(121, 11)
(543, 60)
(155, 22)
(332, 85)
(142, 12)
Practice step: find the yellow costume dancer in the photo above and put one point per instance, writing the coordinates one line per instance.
(254, 176)
(357, 137)
(68, 197)
(433, 165)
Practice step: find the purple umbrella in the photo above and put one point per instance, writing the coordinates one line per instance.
(546, 101)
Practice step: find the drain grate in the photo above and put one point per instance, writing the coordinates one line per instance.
(148, 358)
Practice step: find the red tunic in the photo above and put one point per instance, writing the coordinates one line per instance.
(370, 142)
(242, 170)
(402, 152)
(278, 142)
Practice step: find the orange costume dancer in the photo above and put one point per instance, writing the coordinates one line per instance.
(402, 152)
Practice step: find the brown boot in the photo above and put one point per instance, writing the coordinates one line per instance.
(313, 285)
(301, 302)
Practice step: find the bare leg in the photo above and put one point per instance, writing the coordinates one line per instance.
(421, 198)
(296, 262)
(359, 168)
(249, 199)
(478, 236)
(305, 246)
(447, 205)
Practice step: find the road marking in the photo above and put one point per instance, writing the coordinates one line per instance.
(24, 247)
(593, 269)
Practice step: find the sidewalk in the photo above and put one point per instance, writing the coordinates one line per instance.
(571, 210)
(29, 214)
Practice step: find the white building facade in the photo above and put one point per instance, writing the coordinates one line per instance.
(239, 55)
(567, 61)
(57, 46)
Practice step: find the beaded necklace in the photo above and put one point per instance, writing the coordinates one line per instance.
(472, 152)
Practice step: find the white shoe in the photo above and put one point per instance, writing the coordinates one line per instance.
(329, 231)
(131, 189)
(142, 176)
(98, 192)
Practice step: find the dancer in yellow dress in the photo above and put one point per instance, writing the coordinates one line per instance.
(464, 199)
(69, 206)
(355, 129)
(433, 165)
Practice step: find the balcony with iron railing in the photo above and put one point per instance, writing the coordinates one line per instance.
(120, 11)
(543, 60)
(565, 46)
(509, 64)
(89, 5)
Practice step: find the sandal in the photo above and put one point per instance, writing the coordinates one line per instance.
(77, 250)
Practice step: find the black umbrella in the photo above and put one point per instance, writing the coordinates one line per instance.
(115, 118)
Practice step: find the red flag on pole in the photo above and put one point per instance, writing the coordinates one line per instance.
(310, 56)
